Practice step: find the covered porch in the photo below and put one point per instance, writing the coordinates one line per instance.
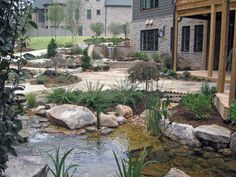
(210, 11)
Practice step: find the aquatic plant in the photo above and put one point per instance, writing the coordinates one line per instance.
(60, 169)
(134, 168)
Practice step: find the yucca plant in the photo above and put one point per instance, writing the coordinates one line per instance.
(60, 165)
(133, 168)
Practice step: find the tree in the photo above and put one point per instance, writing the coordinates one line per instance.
(56, 15)
(15, 16)
(115, 29)
(72, 15)
(125, 28)
(97, 28)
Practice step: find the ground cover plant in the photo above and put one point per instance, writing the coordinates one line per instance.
(99, 40)
(198, 104)
(31, 100)
(232, 114)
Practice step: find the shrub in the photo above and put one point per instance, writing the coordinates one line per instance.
(140, 56)
(198, 104)
(31, 100)
(42, 79)
(115, 29)
(209, 91)
(156, 57)
(166, 58)
(233, 112)
(86, 60)
(186, 75)
(125, 28)
(52, 49)
(68, 45)
(144, 72)
(168, 73)
(62, 96)
(97, 28)
(76, 50)
(60, 164)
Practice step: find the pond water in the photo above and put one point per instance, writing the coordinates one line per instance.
(95, 157)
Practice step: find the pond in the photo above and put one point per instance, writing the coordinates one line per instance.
(94, 153)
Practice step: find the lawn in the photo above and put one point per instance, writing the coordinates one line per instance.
(38, 43)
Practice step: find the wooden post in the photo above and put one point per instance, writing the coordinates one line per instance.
(212, 41)
(223, 45)
(233, 70)
(206, 44)
(176, 34)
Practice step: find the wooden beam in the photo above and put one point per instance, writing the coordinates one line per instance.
(176, 34)
(212, 41)
(223, 45)
(233, 70)
(206, 43)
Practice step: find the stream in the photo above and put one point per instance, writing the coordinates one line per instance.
(94, 153)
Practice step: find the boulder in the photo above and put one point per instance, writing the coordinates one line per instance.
(233, 143)
(91, 129)
(174, 172)
(107, 131)
(213, 133)
(124, 111)
(71, 116)
(121, 120)
(109, 121)
(26, 166)
(181, 133)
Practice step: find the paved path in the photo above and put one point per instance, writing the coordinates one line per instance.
(114, 75)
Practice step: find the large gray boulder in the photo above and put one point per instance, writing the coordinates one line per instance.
(233, 143)
(213, 133)
(26, 166)
(71, 116)
(174, 172)
(181, 133)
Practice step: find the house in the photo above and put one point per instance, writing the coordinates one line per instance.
(92, 11)
(152, 32)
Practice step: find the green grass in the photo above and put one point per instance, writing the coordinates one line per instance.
(38, 43)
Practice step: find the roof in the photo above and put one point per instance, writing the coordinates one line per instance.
(39, 4)
(118, 2)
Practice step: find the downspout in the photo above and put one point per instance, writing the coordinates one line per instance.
(173, 34)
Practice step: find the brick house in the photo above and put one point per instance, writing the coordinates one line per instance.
(103, 11)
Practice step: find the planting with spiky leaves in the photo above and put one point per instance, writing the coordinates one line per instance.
(52, 49)
(133, 168)
(60, 169)
(232, 111)
(86, 60)
(144, 72)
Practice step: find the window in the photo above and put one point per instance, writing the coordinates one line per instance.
(198, 38)
(185, 38)
(89, 14)
(149, 4)
(149, 40)
(98, 12)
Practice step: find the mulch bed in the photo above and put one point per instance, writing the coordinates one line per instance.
(180, 115)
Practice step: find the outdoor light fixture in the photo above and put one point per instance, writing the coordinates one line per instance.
(162, 32)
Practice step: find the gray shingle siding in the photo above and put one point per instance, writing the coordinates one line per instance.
(165, 8)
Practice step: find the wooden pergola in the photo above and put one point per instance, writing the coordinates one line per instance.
(187, 8)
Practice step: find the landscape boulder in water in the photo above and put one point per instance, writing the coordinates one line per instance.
(71, 116)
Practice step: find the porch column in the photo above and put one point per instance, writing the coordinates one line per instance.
(223, 45)
(212, 41)
(233, 70)
(176, 34)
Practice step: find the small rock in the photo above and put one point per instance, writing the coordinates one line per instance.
(109, 121)
(233, 143)
(107, 131)
(159, 156)
(40, 111)
(208, 149)
(121, 120)
(174, 172)
(50, 106)
(82, 132)
(124, 111)
(213, 133)
(42, 120)
(90, 129)
(45, 124)
(37, 126)
(225, 152)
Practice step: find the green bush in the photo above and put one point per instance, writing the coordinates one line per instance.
(198, 104)
(156, 57)
(63, 96)
(115, 29)
(86, 60)
(31, 100)
(168, 73)
(144, 72)
(41, 79)
(97, 28)
(233, 112)
(186, 75)
(166, 58)
(209, 91)
(140, 56)
(76, 50)
(52, 48)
